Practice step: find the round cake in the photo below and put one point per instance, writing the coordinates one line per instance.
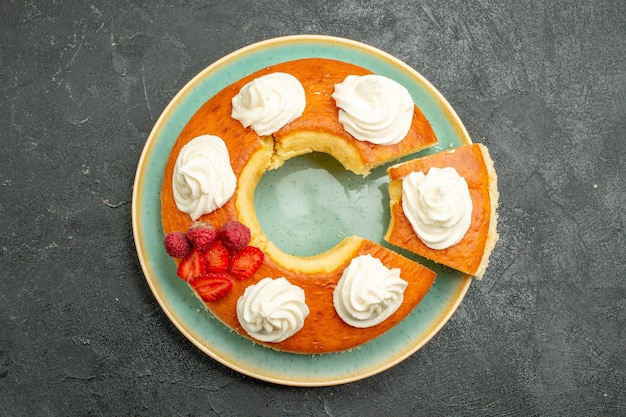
(330, 302)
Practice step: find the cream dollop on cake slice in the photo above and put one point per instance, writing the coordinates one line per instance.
(374, 108)
(203, 178)
(438, 206)
(368, 292)
(269, 102)
(272, 310)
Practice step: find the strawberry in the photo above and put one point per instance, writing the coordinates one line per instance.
(235, 235)
(192, 265)
(217, 257)
(212, 286)
(176, 244)
(201, 235)
(246, 262)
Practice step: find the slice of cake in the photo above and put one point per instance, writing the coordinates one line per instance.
(443, 207)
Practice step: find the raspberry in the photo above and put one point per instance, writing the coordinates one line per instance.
(176, 244)
(201, 235)
(234, 235)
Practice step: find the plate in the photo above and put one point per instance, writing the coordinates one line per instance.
(189, 315)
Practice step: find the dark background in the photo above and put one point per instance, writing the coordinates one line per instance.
(543, 84)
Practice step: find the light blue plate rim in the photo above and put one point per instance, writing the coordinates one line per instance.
(188, 314)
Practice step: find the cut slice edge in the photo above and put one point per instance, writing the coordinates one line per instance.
(494, 198)
(273, 155)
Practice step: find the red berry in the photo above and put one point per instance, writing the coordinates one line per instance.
(217, 257)
(212, 286)
(234, 235)
(201, 235)
(246, 262)
(192, 266)
(176, 244)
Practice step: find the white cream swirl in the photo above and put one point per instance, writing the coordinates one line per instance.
(438, 205)
(374, 108)
(272, 310)
(203, 178)
(269, 102)
(368, 292)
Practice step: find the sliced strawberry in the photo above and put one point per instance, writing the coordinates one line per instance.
(192, 265)
(246, 262)
(212, 286)
(217, 257)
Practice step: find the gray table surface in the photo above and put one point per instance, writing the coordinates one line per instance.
(543, 84)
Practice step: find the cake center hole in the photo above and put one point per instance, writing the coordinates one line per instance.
(312, 203)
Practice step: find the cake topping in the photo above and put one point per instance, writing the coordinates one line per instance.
(269, 102)
(207, 264)
(201, 235)
(176, 244)
(368, 292)
(212, 286)
(272, 310)
(235, 235)
(374, 108)
(203, 177)
(438, 206)
(217, 257)
(246, 261)
(192, 265)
